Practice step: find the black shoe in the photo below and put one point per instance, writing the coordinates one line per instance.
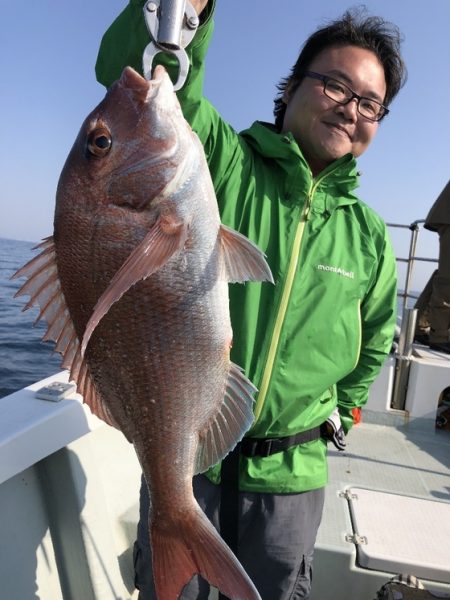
(422, 338)
(441, 347)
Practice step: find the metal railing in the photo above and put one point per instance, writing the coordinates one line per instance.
(408, 320)
(410, 260)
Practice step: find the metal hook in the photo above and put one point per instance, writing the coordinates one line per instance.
(172, 25)
(152, 50)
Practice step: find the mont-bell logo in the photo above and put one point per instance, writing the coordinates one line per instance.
(338, 270)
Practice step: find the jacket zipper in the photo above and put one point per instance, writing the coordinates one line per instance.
(287, 290)
(359, 335)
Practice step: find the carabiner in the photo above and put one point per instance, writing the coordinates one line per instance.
(172, 25)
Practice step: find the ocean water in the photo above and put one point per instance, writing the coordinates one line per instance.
(24, 359)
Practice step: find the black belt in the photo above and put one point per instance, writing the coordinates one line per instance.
(267, 446)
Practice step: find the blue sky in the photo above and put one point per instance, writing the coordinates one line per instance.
(47, 56)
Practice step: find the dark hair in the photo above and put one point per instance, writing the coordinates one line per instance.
(356, 29)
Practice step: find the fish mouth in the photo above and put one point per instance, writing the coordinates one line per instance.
(155, 164)
(140, 88)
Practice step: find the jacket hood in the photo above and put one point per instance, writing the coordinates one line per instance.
(282, 148)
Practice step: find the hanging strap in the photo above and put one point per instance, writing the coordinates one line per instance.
(229, 502)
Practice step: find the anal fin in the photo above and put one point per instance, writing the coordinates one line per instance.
(234, 418)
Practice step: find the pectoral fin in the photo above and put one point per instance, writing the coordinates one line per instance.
(242, 259)
(164, 239)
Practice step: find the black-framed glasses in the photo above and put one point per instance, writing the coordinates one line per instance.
(342, 94)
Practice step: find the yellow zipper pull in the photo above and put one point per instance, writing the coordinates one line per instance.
(307, 209)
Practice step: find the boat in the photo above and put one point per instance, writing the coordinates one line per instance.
(69, 488)
(387, 503)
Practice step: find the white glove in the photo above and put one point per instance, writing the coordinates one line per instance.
(334, 430)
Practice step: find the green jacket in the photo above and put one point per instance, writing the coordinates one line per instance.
(318, 337)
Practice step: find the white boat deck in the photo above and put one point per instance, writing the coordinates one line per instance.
(69, 495)
(404, 460)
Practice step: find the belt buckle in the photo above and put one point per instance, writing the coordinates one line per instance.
(266, 447)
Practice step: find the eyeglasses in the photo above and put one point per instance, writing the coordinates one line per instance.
(342, 94)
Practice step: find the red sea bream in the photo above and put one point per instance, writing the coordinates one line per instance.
(134, 287)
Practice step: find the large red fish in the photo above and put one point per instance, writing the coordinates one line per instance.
(134, 287)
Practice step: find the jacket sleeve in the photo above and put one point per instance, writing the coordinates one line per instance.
(378, 318)
(123, 44)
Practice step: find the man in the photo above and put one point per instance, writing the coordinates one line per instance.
(433, 304)
(315, 341)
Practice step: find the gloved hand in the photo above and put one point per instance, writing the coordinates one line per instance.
(334, 430)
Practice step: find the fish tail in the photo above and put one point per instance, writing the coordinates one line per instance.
(197, 548)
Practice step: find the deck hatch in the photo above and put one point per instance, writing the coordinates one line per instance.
(403, 534)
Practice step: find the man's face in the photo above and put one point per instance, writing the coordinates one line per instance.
(324, 129)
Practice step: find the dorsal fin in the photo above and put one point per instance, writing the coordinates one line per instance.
(44, 288)
(234, 418)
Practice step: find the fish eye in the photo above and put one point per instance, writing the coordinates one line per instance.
(99, 142)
